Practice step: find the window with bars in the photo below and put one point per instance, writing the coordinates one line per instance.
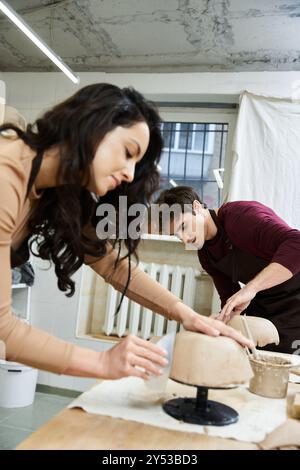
(191, 152)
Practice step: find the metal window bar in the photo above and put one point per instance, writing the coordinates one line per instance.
(186, 150)
(202, 162)
(220, 162)
(175, 127)
(170, 148)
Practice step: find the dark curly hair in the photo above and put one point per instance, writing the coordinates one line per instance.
(77, 126)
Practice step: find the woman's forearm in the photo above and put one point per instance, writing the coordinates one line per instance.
(142, 288)
(85, 363)
(132, 356)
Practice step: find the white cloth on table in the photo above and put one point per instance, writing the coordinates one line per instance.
(130, 399)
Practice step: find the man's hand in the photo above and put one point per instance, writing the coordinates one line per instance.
(236, 304)
(270, 276)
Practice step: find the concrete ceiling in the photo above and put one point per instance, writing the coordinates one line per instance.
(156, 35)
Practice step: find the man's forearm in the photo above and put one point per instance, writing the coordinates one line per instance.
(273, 275)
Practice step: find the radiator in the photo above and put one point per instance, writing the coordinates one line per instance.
(135, 319)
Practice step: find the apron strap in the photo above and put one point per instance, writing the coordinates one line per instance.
(228, 242)
(215, 219)
(36, 165)
(220, 227)
(19, 257)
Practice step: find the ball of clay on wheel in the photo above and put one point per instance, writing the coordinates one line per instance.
(208, 361)
(263, 331)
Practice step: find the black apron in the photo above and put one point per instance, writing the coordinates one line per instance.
(21, 255)
(279, 304)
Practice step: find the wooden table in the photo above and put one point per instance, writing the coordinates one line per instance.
(76, 429)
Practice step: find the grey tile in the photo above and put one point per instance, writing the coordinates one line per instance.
(10, 437)
(50, 398)
(6, 412)
(34, 416)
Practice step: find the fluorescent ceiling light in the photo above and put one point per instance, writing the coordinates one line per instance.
(20, 23)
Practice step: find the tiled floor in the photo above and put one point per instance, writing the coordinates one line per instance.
(18, 423)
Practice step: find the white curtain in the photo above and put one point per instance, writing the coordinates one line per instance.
(266, 155)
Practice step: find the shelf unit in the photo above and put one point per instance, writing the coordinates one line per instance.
(21, 295)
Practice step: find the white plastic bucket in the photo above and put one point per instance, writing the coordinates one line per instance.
(17, 384)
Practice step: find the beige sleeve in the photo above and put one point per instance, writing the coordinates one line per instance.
(142, 288)
(23, 343)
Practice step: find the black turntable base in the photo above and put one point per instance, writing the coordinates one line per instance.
(200, 410)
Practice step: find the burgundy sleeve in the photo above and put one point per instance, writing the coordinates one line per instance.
(224, 285)
(255, 228)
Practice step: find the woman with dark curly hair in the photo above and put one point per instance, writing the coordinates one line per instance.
(101, 143)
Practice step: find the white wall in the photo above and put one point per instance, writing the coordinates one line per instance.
(32, 93)
(2, 97)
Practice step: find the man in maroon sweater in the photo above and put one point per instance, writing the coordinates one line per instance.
(252, 255)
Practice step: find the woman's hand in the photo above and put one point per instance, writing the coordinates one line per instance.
(237, 303)
(195, 322)
(132, 356)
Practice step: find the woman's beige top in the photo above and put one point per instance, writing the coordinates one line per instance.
(25, 343)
